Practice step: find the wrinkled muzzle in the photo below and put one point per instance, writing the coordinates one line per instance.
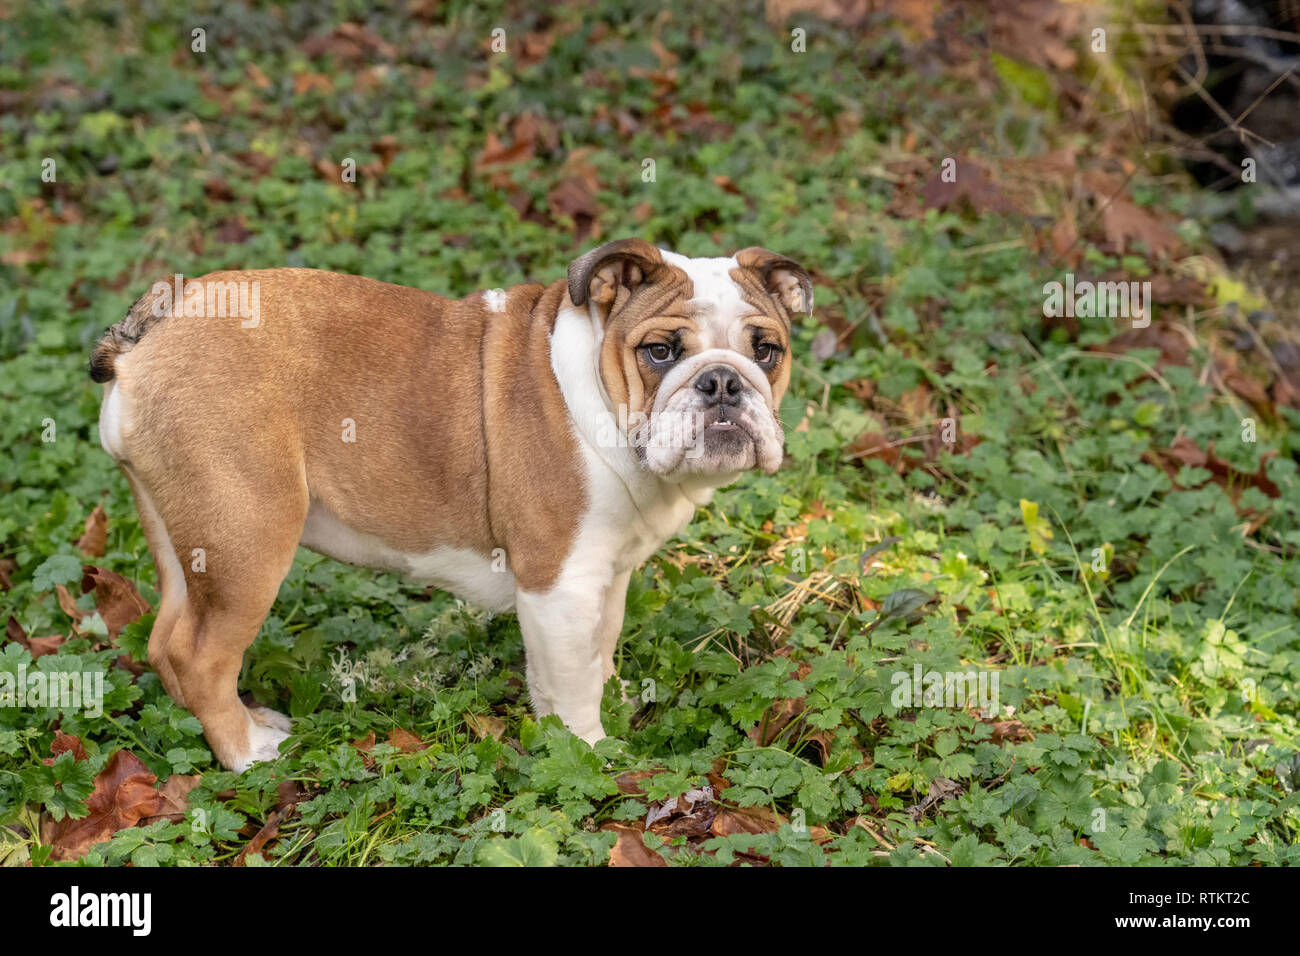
(712, 415)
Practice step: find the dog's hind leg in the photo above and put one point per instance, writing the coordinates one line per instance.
(244, 535)
(171, 587)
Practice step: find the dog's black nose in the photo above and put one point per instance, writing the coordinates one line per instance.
(720, 385)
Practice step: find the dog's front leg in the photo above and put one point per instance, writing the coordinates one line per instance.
(562, 645)
(611, 623)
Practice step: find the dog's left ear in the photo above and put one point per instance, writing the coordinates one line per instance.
(782, 278)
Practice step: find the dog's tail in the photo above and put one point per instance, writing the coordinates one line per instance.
(121, 338)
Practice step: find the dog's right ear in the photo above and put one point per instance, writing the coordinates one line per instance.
(611, 272)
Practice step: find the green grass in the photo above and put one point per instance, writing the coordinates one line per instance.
(1152, 704)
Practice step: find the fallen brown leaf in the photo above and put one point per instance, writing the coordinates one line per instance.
(116, 599)
(485, 725)
(573, 199)
(630, 783)
(305, 82)
(690, 815)
(1010, 730)
(729, 821)
(289, 795)
(124, 794)
(1185, 451)
(1126, 223)
(62, 744)
(941, 789)
(405, 741)
(630, 850)
(40, 646)
(95, 540)
(971, 187)
(14, 632)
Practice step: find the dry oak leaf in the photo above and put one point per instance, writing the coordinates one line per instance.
(630, 849)
(1173, 345)
(255, 76)
(14, 631)
(174, 798)
(941, 789)
(365, 745)
(485, 725)
(348, 41)
(1226, 370)
(305, 82)
(524, 131)
(1179, 290)
(62, 744)
(730, 821)
(124, 795)
(94, 542)
(1125, 223)
(260, 163)
(36, 646)
(630, 783)
(534, 47)
(1038, 31)
(116, 600)
(971, 184)
(572, 199)
(40, 646)
(405, 741)
(289, 795)
(775, 720)
(1010, 730)
(69, 606)
(690, 815)
(234, 231)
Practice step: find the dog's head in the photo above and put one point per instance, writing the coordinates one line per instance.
(694, 353)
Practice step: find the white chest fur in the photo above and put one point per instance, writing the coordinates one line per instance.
(631, 512)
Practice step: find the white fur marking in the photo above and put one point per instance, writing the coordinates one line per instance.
(110, 422)
(463, 572)
(495, 300)
(171, 569)
(717, 297)
(263, 744)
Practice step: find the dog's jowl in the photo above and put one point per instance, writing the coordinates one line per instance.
(572, 427)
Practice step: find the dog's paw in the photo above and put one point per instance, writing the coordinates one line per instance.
(271, 718)
(263, 742)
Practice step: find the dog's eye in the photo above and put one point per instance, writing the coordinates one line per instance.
(767, 353)
(658, 353)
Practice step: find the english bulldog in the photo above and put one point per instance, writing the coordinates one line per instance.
(525, 449)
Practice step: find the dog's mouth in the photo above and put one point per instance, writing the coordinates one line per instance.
(723, 421)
